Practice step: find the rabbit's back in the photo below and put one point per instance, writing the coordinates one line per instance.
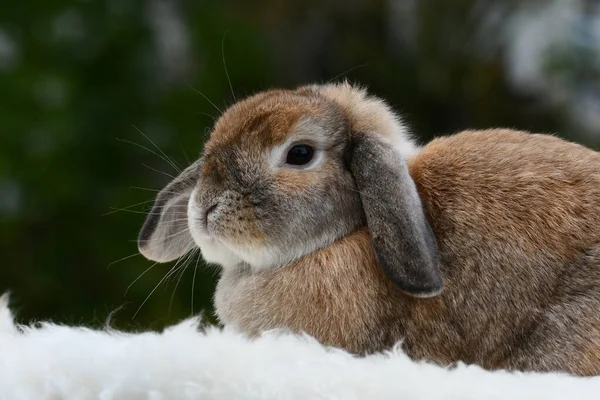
(517, 219)
(536, 189)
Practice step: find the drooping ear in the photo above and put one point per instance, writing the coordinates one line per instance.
(165, 234)
(404, 243)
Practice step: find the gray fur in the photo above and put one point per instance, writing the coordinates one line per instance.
(293, 224)
(404, 243)
(165, 235)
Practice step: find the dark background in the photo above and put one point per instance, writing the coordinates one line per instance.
(79, 78)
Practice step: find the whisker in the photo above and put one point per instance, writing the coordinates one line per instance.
(206, 134)
(128, 207)
(348, 71)
(184, 153)
(186, 259)
(175, 291)
(167, 275)
(147, 149)
(139, 276)
(165, 240)
(153, 190)
(183, 269)
(225, 64)
(207, 99)
(169, 160)
(115, 209)
(206, 114)
(147, 297)
(175, 220)
(143, 188)
(159, 171)
(193, 283)
(181, 261)
(179, 220)
(123, 259)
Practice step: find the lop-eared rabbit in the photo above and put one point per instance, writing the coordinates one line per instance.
(326, 218)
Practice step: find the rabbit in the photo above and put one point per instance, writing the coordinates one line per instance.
(326, 217)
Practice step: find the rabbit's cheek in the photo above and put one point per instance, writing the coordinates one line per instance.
(290, 182)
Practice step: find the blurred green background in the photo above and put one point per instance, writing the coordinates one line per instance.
(79, 78)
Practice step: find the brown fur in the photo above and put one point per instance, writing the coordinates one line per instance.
(341, 307)
(265, 119)
(517, 219)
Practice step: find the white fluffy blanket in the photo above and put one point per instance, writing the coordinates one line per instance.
(49, 361)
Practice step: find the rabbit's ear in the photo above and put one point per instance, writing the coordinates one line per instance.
(165, 235)
(404, 243)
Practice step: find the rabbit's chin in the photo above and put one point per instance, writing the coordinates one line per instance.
(215, 251)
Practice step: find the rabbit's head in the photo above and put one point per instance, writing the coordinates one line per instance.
(289, 172)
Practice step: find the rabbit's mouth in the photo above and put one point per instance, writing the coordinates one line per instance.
(226, 232)
(213, 250)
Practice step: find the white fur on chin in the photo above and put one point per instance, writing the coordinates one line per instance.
(217, 252)
(49, 361)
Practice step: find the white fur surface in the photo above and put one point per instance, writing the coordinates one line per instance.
(59, 362)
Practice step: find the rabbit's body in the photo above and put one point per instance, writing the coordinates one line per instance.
(521, 268)
(482, 247)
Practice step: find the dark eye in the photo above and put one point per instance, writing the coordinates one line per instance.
(300, 154)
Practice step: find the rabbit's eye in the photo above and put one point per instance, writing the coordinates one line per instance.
(300, 154)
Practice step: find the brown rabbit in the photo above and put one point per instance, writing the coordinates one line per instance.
(482, 247)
